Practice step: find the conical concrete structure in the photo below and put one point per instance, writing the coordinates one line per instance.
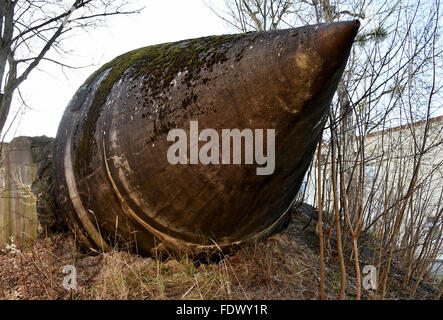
(113, 177)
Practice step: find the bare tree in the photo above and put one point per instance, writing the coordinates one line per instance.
(253, 15)
(372, 181)
(30, 30)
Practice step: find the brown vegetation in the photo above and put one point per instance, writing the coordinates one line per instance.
(285, 266)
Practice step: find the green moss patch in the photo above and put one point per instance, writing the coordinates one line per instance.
(158, 65)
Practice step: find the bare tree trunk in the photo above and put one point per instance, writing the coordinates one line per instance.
(319, 223)
(337, 222)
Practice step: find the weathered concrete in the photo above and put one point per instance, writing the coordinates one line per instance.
(20, 161)
(112, 176)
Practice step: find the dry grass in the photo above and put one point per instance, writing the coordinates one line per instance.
(285, 266)
(35, 272)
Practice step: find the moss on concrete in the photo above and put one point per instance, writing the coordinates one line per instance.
(158, 65)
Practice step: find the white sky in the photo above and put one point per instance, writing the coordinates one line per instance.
(48, 93)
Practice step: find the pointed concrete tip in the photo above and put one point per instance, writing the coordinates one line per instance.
(333, 41)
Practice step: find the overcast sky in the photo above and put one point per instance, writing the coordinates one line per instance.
(48, 92)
